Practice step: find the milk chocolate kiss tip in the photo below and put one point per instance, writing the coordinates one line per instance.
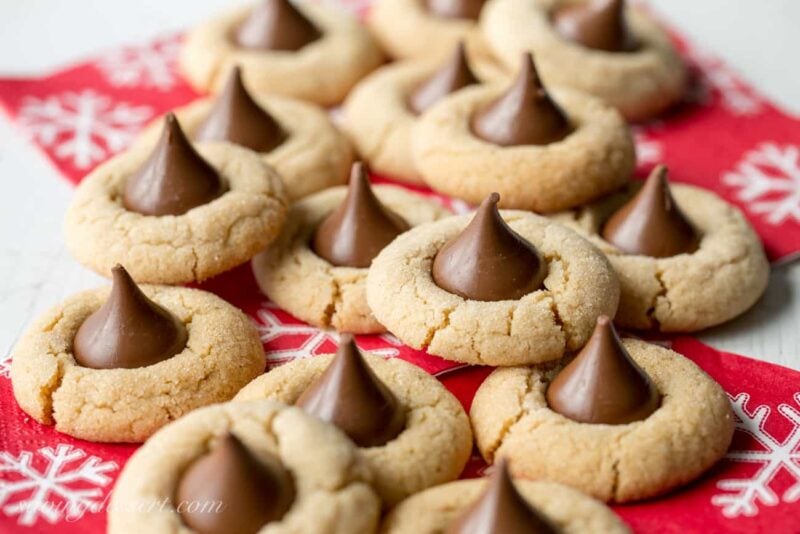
(455, 9)
(651, 223)
(173, 179)
(488, 261)
(455, 74)
(359, 228)
(237, 118)
(603, 385)
(524, 114)
(350, 395)
(501, 510)
(596, 24)
(128, 331)
(276, 25)
(230, 490)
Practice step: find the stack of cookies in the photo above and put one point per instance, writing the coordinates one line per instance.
(519, 107)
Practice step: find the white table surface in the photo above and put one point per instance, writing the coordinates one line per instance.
(759, 39)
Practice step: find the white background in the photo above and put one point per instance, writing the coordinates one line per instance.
(759, 39)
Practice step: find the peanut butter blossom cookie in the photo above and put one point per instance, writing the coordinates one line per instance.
(316, 269)
(176, 213)
(494, 289)
(118, 365)
(596, 46)
(381, 111)
(541, 153)
(620, 421)
(244, 468)
(296, 138)
(501, 506)
(308, 51)
(685, 258)
(411, 430)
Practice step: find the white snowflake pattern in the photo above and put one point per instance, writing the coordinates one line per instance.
(150, 66)
(648, 150)
(744, 495)
(50, 494)
(271, 328)
(5, 365)
(82, 127)
(735, 96)
(769, 182)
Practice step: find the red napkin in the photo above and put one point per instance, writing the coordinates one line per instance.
(725, 137)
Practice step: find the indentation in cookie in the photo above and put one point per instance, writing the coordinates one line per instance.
(129, 330)
(603, 385)
(237, 118)
(524, 114)
(174, 179)
(489, 261)
(359, 228)
(230, 490)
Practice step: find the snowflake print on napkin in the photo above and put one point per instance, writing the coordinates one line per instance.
(52, 484)
(83, 127)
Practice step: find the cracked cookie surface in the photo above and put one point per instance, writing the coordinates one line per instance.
(322, 72)
(684, 437)
(579, 287)
(201, 243)
(223, 353)
(291, 274)
(433, 510)
(594, 159)
(688, 292)
(330, 476)
(432, 449)
(314, 156)
(640, 84)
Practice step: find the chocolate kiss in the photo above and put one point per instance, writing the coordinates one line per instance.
(455, 9)
(349, 395)
(488, 260)
(452, 76)
(651, 223)
(523, 115)
(230, 490)
(359, 228)
(598, 24)
(276, 25)
(603, 385)
(128, 331)
(237, 118)
(501, 510)
(174, 179)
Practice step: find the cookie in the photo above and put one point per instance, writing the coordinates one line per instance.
(330, 480)
(127, 400)
(383, 108)
(109, 222)
(309, 155)
(334, 53)
(433, 510)
(640, 82)
(575, 149)
(431, 447)
(555, 313)
(686, 292)
(408, 29)
(312, 288)
(676, 443)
